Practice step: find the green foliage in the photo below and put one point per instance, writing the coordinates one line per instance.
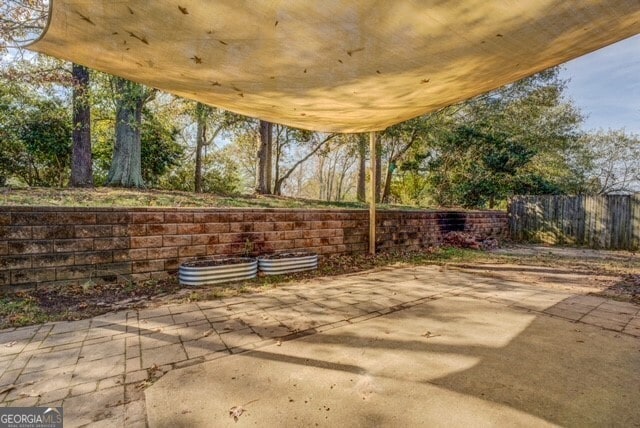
(19, 310)
(511, 141)
(35, 133)
(46, 133)
(160, 149)
(220, 175)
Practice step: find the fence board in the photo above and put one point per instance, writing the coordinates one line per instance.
(609, 221)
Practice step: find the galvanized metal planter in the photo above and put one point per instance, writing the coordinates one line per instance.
(201, 272)
(278, 264)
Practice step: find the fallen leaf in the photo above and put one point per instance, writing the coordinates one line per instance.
(10, 344)
(207, 333)
(235, 412)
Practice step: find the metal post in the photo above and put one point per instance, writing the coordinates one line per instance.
(372, 200)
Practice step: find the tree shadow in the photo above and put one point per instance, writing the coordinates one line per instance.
(564, 373)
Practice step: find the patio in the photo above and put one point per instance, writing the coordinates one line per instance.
(439, 345)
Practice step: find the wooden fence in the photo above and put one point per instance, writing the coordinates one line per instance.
(611, 222)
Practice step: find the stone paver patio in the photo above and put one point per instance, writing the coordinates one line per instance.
(99, 368)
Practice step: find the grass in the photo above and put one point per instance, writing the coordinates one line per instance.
(130, 198)
(20, 311)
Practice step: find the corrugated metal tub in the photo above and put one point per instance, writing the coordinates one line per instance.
(210, 271)
(278, 264)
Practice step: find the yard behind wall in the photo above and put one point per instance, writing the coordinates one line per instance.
(41, 246)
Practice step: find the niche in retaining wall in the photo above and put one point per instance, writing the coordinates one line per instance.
(451, 221)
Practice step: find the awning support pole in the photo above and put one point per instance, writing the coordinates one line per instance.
(372, 200)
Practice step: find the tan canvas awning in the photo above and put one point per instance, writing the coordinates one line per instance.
(331, 65)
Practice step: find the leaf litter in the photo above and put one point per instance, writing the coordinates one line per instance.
(236, 411)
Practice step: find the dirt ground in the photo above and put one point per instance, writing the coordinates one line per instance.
(615, 274)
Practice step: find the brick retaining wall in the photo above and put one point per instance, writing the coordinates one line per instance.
(64, 246)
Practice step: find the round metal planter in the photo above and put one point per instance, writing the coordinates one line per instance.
(278, 264)
(201, 272)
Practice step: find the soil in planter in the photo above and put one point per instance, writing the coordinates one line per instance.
(219, 262)
(281, 256)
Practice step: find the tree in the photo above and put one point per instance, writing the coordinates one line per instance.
(126, 165)
(81, 159)
(335, 170)
(210, 124)
(399, 139)
(24, 21)
(46, 132)
(159, 149)
(286, 137)
(201, 113)
(265, 152)
(613, 161)
(35, 134)
(220, 174)
(361, 192)
(21, 21)
(512, 140)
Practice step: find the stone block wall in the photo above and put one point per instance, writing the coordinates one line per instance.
(51, 246)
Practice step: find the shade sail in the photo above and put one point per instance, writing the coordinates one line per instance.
(331, 65)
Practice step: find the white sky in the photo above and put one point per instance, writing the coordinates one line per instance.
(606, 86)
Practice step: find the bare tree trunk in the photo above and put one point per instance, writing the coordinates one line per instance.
(277, 184)
(378, 161)
(387, 179)
(387, 185)
(264, 158)
(201, 138)
(269, 164)
(126, 165)
(362, 169)
(322, 181)
(330, 177)
(343, 173)
(81, 162)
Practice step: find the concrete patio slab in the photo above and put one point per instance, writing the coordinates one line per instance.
(455, 361)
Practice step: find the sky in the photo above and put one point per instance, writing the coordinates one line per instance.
(605, 85)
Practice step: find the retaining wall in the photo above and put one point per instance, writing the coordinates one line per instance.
(43, 246)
